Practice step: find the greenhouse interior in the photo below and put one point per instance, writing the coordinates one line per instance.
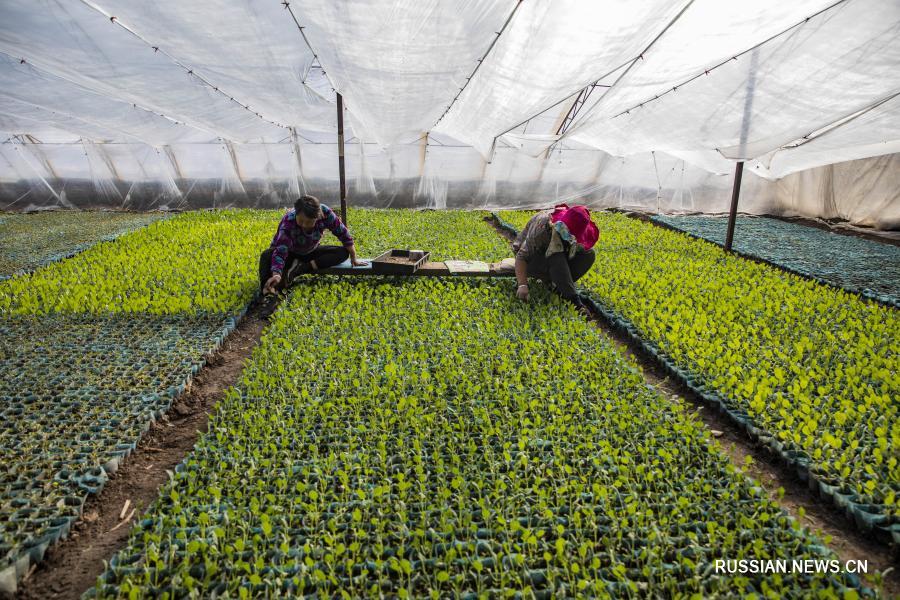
(449, 299)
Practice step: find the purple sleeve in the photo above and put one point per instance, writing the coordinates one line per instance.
(337, 227)
(282, 242)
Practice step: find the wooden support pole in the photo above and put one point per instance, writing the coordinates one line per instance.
(342, 174)
(732, 213)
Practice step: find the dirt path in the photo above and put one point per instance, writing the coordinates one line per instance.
(767, 468)
(72, 566)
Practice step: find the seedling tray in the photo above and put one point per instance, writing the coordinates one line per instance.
(398, 262)
(869, 518)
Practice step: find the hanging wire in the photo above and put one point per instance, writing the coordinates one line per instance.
(54, 75)
(627, 65)
(580, 100)
(631, 62)
(480, 61)
(190, 71)
(287, 6)
(728, 60)
(822, 131)
(558, 102)
(577, 105)
(635, 60)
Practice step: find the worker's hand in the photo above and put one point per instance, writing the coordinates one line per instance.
(353, 260)
(273, 281)
(522, 292)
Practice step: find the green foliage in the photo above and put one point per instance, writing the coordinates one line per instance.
(865, 266)
(448, 234)
(473, 446)
(405, 438)
(206, 262)
(817, 368)
(28, 241)
(76, 393)
(198, 262)
(78, 390)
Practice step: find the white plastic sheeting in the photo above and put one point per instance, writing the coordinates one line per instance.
(250, 51)
(828, 68)
(863, 192)
(550, 51)
(31, 99)
(845, 140)
(399, 64)
(452, 103)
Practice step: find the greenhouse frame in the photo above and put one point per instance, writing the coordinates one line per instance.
(705, 406)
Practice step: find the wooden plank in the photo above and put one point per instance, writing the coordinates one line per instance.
(468, 267)
(429, 269)
(433, 268)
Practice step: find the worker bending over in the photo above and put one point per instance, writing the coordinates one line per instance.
(556, 246)
(295, 249)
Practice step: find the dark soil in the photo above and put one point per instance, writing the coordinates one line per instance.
(73, 565)
(767, 468)
(396, 260)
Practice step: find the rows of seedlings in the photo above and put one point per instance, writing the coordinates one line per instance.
(29, 241)
(808, 369)
(200, 262)
(447, 234)
(865, 267)
(94, 348)
(76, 393)
(435, 438)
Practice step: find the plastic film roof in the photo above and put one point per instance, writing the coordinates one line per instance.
(486, 92)
(838, 63)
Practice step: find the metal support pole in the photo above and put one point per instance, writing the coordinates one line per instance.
(732, 213)
(343, 176)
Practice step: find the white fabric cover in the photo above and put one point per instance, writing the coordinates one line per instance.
(551, 50)
(399, 64)
(178, 104)
(834, 65)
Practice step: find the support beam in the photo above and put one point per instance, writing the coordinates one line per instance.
(342, 174)
(732, 213)
(627, 66)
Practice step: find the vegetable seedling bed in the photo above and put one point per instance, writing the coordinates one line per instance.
(842, 460)
(863, 267)
(31, 241)
(577, 484)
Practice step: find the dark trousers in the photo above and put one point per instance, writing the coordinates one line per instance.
(562, 270)
(296, 264)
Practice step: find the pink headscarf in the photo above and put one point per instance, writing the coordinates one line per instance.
(578, 221)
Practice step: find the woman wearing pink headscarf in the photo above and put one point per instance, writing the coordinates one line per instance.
(556, 246)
